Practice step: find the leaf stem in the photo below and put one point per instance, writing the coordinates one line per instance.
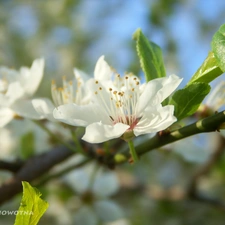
(77, 143)
(133, 151)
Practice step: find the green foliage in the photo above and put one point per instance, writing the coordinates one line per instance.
(32, 207)
(208, 71)
(150, 56)
(27, 145)
(218, 47)
(188, 99)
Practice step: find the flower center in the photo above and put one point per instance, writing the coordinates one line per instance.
(70, 92)
(123, 96)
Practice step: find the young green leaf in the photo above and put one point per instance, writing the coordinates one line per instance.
(150, 56)
(187, 100)
(208, 71)
(218, 47)
(32, 207)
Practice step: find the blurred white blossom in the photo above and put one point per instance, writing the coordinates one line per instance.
(94, 193)
(16, 88)
(216, 99)
(76, 91)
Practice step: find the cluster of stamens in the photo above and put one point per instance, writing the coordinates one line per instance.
(123, 97)
(70, 92)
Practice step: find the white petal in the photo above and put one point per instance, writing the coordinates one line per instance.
(80, 75)
(216, 98)
(156, 91)
(99, 132)
(6, 115)
(44, 107)
(85, 216)
(14, 92)
(169, 85)
(31, 78)
(106, 184)
(79, 115)
(25, 109)
(102, 70)
(78, 180)
(154, 121)
(108, 210)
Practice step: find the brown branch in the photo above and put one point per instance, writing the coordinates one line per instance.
(32, 169)
(203, 170)
(11, 166)
(37, 166)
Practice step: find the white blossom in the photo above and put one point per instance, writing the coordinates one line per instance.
(74, 91)
(216, 99)
(16, 88)
(122, 106)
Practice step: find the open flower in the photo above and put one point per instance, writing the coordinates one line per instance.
(16, 87)
(74, 91)
(122, 107)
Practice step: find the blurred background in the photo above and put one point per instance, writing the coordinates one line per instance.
(75, 33)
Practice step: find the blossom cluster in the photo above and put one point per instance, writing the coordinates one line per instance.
(108, 105)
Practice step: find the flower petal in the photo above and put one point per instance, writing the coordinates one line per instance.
(106, 184)
(169, 85)
(6, 115)
(85, 216)
(156, 91)
(99, 132)
(108, 210)
(102, 70)
(31, 78)
(25, 109)
(80, 75)
(80, 115)
(14, 92)
(44, 107)
(155, 120)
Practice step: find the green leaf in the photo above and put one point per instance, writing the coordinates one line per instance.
(187, 100)
(208, 71)
(32, 207)
(150, 56)
(218, 47)
(27, 145)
